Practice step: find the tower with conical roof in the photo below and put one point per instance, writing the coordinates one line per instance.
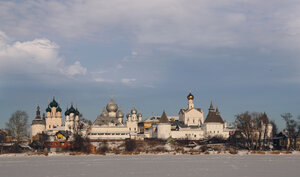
(163, 127)
(38, 124)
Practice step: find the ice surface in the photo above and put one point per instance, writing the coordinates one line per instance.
(151, 165)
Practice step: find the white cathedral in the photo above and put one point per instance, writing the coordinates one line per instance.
(110, 125)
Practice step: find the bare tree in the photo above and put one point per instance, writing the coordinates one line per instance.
(254, 127)
(274, 128)
(81, 141)
(17, 125)
(245, 125)
(292, 128)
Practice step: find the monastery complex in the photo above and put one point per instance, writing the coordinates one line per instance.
(112, 124)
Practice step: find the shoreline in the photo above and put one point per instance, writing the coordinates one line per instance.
(214, 153)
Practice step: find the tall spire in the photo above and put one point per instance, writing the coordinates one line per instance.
(38, 112)
(217, 111)
(211, 107)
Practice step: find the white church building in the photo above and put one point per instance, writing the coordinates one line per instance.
(191, 124)
(110, 125)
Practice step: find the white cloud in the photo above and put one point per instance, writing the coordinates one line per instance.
(76, 69)
(128, 80)
(36, 57)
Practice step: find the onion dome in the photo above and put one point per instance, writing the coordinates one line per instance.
(120, 114)
(58, 109)
(133, 111)
(104, 113)
(112, 106)
(67, 112)
(48, 109)
(76, 112)
(139, 115)
(53, 103)
(72, 109)
(190, 96)
(127, 115)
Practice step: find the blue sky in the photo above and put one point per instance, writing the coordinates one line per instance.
(240, 54)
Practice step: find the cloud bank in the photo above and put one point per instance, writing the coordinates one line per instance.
(39, 56)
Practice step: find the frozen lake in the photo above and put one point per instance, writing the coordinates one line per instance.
(152, 165)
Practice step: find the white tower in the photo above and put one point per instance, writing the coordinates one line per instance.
(38, 124)
(163, 127)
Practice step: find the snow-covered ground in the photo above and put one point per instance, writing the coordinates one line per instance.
(151, 165)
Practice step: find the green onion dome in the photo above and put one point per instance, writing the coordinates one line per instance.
(67, 112)
(77, 112)
(72, 109)
(53, 103)
(58, 109)
(48, 109)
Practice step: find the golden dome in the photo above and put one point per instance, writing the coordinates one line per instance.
(190, 96)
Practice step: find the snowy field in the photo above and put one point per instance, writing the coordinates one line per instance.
(152, 165)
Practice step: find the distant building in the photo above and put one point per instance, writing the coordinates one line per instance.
(191, 125)
(38, 125)
(109, 124)
(191, 116)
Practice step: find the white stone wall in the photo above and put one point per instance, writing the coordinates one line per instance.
(105, 132)
(187, 133)
(37, 128)
(212, 129)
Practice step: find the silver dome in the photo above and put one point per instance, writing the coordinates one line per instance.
(104, 113)
(139, 115)
(112, 106)
(133, 111)
(127, 115)
(120, 114)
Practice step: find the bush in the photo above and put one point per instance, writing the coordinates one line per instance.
(203, 148)
(233, 151)
(103, 148)
(15, 148)
(130, 145)
(159, 149)
(45, 152)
